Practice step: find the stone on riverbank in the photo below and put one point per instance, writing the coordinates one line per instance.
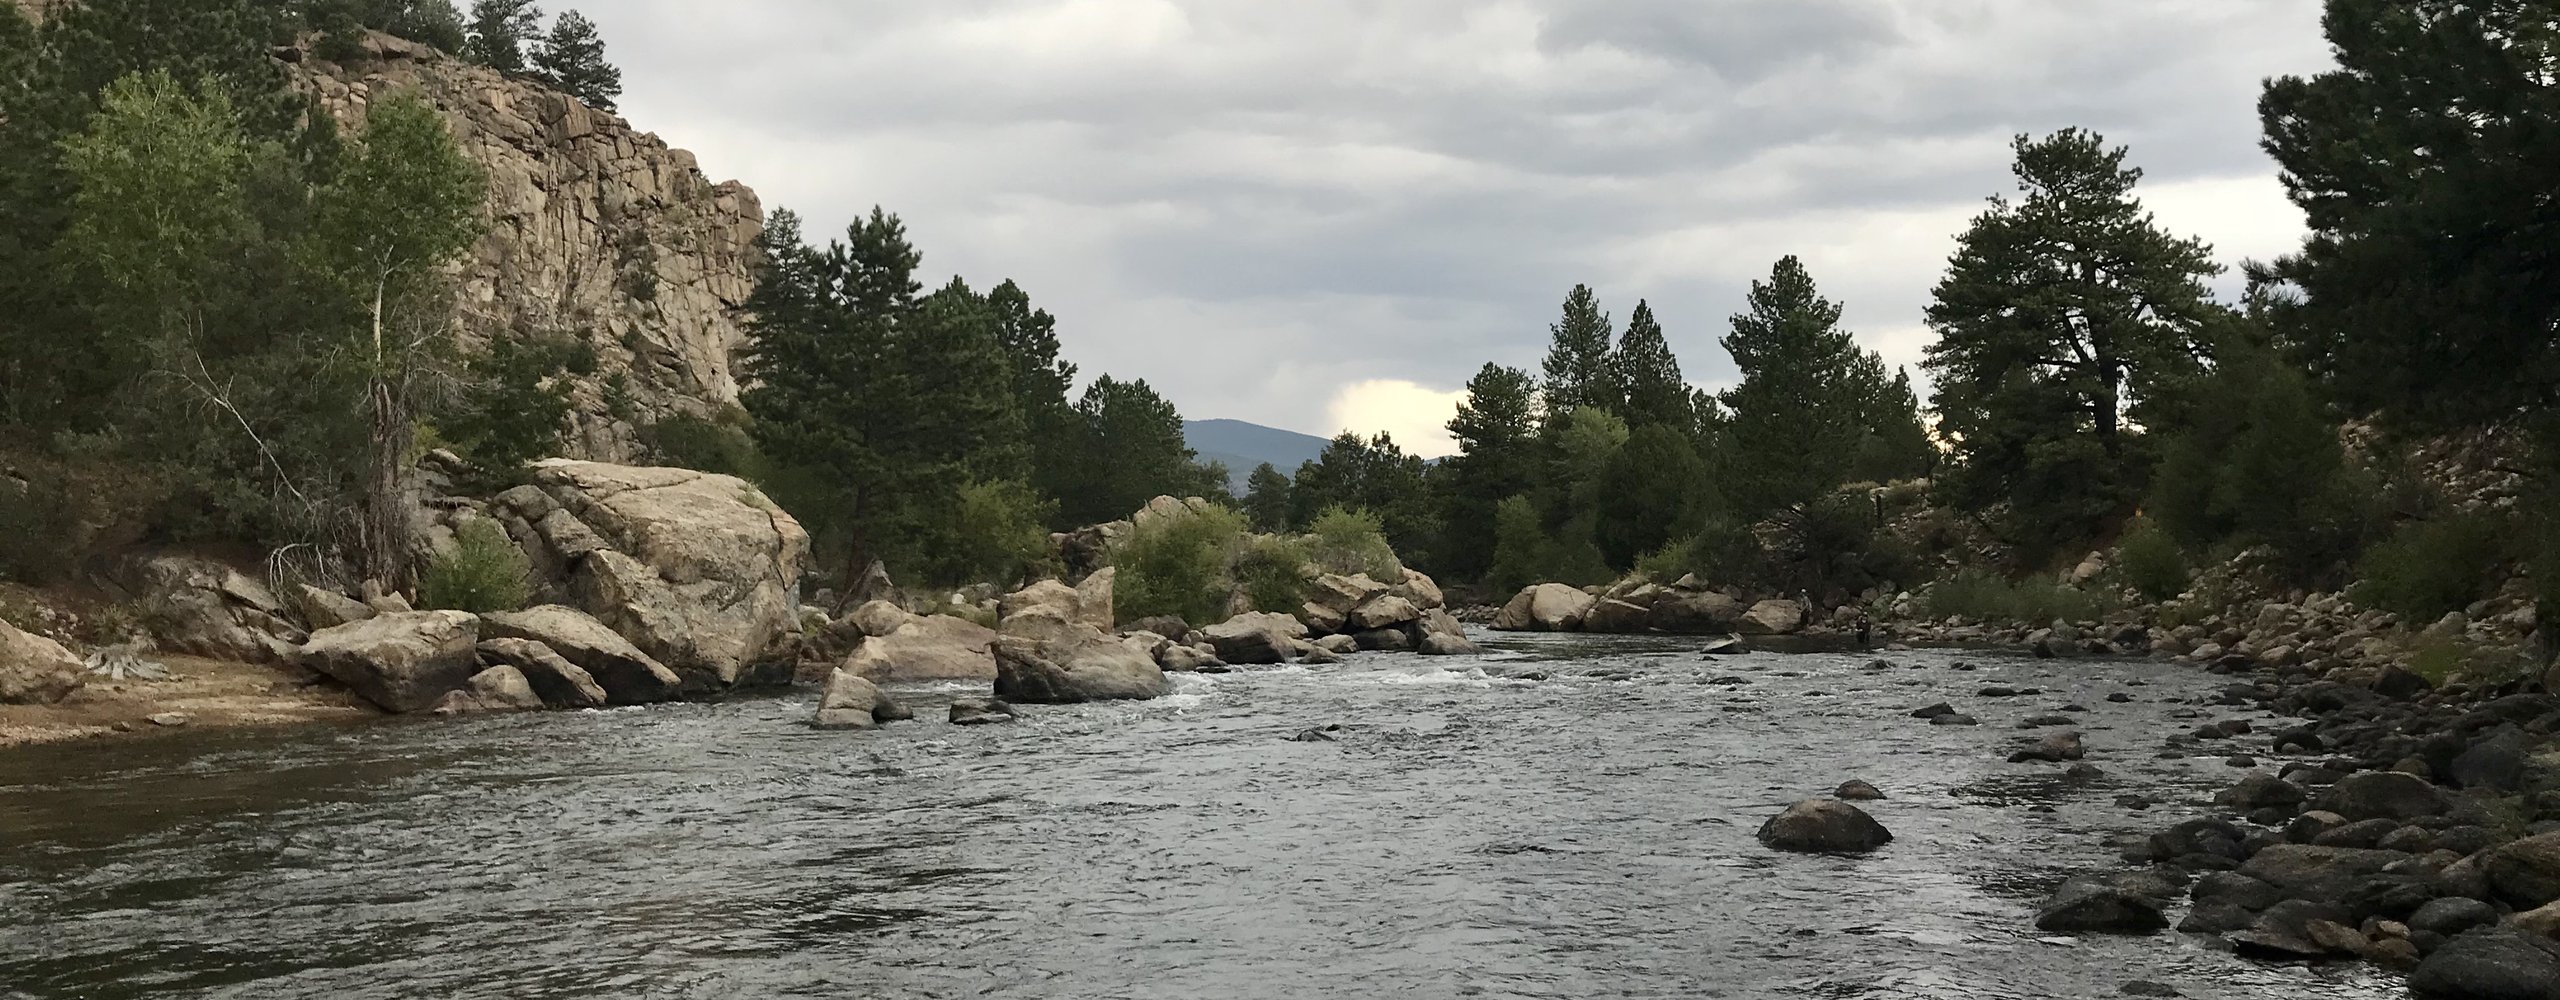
(628, 675)
(497, 689)
(1772, 618)
(1072, 671)
(35, 670)
(559, 683)
(927, 648)
(1824, 826)
(852, 702)
(1258, 637)
(401, 662)
(2382, 795)
(1547, 607)
(2491, 963)
(2525, 873)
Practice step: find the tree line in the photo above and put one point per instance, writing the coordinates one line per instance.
(504, 35)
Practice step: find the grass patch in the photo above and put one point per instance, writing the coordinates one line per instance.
(482, 572)
(1990, 597)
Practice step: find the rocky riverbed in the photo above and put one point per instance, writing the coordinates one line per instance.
(1565, 816)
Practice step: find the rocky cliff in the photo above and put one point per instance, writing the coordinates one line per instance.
(597, 231)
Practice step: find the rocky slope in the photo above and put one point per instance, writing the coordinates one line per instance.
(598, 231)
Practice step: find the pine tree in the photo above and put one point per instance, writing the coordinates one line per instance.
(1266, 499)
(1369, 474)
(498, 33)
(1648, 375)
(963, 415)
(1577, 366)
(2060, 317)
(1795, 419)
(1497, 433)
(1133, 451)
(428, 22)
(1038, 381)
(1897, 445)
(1655, 489)
(571, 59)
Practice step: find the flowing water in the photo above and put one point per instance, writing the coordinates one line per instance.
(1464, 835)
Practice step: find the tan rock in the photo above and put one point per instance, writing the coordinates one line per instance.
(1547, 607)
(927, 648)
(35, 670)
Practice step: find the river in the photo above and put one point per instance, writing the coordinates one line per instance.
(1463, 835)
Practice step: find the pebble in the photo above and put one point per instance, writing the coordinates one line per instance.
(171, 720)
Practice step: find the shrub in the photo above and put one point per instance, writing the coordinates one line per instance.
(1722, 552)
(1177, 565)
(1992, 598)
(2441, 660)
(1352, 541)
(2151, 563)
(2428, 569)
(1272, 573)
(994, 532)
(484, 571)
(719, 445)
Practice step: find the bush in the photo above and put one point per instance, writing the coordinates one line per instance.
(484, 571)
(1272, 573)
(719, 445)
(2151, 563)
(1177, 565)
(1350, 542)
(1722, 552)
(1992, 598)
(2428, 569)
(2442, 660)
(994, 533)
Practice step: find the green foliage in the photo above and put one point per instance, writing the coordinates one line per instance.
(1272, 573)
(2425, 163)
(2256, 461)
(1352, 541)
(1896, 444)
(995, 532)
(1834, 549)
(2150, 561)
(483, 571)
(2063, 315)
(1653, 489)
(2428, 569)
(1797, 416)
(513, 406)
(1720, 552)
(1578, 369)
(571, 59)
(1989, 597)
(720, 444)
(1266, 499)
(1129, 450)
(498, 33)
(54, 512)
(1178, 565)
(160, 206)
(1526, 551)
(2447, 659)
(1496, 429)
(1649, 390)
(1373, 475)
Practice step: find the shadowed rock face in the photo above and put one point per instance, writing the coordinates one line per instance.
(597, 230)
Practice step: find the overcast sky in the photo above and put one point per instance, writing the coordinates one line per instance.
(1322, 215)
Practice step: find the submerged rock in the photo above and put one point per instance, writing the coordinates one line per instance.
(1856, 790)
(2083, 906)
(1824, 826)
(988, 712)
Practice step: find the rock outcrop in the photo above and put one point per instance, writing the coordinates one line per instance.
(927, 648)
(598, 231)
(1547, 607)
(1084, 668)
(402, 662)
(204, 608)
(627, 675)
(35, 670)
(700, 571)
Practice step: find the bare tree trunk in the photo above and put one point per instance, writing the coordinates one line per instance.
(388, 523)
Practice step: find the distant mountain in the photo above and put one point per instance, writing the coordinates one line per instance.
(1243, 446)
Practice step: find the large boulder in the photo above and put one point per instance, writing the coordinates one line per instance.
(1094, 667)
(1095, 599)
(327, 608)
(629, 676)
(1772, 618)
(403, 662)
(500, 688)
(1699, 613)
(1547, 607)
(2491, 963)
(1423, 591)
(1256, 637)
(35, 670)
(698, 570)
(558, 682)
(2083, 906)
(1047, 598)
(851, 702)
(2318, 873)
(1618, 616)
(2382, 795)
(2525, 873)
(928, 648)
(1332, 597)
(877, 618)
(1826, 826)
(1384, 611)
(207, 609)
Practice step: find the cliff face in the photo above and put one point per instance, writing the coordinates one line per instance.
(597, 231)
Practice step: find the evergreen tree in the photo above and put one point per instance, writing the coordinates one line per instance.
(1368, 474)
(1896, 446)
(571, 58)
(1266, 499)
(428, 22)
(1133, 451)
(1577, 368)
(498, 33)
(2062, 315)
(1648, 375)
(1038, 380)
(1497, 433)
(2257, 461)
(1655, 489)
(1796, 418)
(965, 415)
(2426, 164)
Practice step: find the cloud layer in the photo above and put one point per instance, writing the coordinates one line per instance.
(1323, 212)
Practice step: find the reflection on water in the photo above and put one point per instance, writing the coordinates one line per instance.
(1467, 834)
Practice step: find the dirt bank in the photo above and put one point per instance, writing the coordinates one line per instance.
(208, 694)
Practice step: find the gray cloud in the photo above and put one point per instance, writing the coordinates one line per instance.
(1255, 205)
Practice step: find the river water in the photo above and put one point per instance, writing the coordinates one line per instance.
(1464, 835)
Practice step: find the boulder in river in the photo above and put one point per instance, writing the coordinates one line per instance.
(1184, 659)
(402, 662)
(2491, 963)
(2085, 906)
(1066, 672)
(35, 670)
(1547, 607)
(1824, 826)
(2525, 873)
(2382, 795)
(1857, 790)
(1772, 618)
(2055, 748)
(560, 683)
(988, 712)
(498, 689)
(928, 648)
(878, 618)
(628, 675)
(1257, 637)
(1383, 611)
(701, 571)
(852, 702)
(2309, 872)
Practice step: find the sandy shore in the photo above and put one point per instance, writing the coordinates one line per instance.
(201, 694)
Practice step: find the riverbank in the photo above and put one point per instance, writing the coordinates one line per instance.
(200, 694)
